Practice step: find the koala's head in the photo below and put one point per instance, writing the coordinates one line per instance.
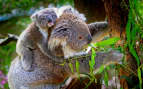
(70, 33)
(45, 18)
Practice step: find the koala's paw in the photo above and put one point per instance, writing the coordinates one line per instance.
(27, 63)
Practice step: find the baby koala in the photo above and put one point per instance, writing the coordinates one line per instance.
(35, 35)
(45, 18)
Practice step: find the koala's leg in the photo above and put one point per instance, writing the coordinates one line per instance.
(24, 48)
(27, 59)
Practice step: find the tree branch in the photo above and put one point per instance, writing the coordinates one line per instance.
(8, 38)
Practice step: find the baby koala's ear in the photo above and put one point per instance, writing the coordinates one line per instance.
(34, 17)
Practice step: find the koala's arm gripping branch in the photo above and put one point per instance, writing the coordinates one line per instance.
(99, 30)
(100, 59)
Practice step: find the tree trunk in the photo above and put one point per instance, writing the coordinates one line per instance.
(92, 9)
(117, 15)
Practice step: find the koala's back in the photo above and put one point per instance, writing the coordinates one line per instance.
(20, 79)
(28, 38)
(46, 74)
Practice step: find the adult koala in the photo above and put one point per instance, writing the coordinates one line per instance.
(67, 38)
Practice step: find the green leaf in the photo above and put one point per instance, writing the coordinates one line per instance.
(128, 27)
(107, 42)
(101, 69)
(77, 67)
(106, 78)
(93, 58)
(140, 78)
(71, 67)
(90, 65)
(108, 68)
(133, 52)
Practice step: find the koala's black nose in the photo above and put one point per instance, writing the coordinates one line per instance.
(49, 20)
(89, 38)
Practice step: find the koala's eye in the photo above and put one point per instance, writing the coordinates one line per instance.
(62, 30)
(80, 38)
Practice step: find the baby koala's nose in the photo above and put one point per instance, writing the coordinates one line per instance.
(89, 38)
(49, 20)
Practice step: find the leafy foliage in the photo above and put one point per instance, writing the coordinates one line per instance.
(102, 68)
(134, 32)
(6, 56)
(6, 6)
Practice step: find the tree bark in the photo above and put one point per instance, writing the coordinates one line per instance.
(117, 15)
(92, 9)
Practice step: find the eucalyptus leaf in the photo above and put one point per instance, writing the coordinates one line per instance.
(107, 42)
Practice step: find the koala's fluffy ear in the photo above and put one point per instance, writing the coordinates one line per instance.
(70, 9)
(34, 17)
